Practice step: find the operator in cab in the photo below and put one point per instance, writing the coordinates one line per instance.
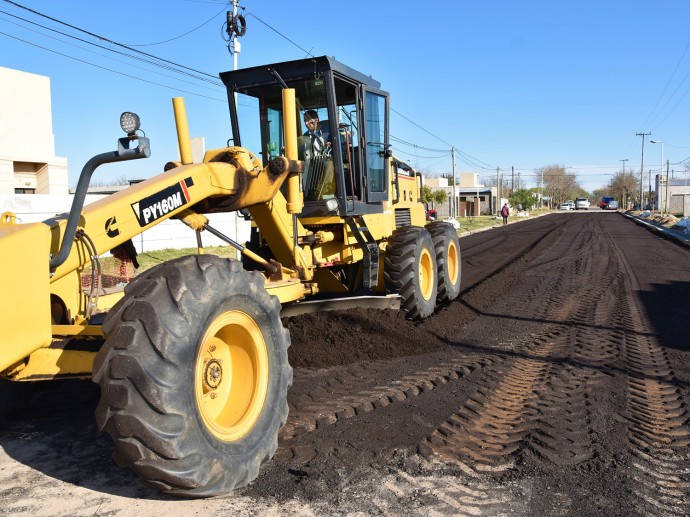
(319, 177)
(319, 134)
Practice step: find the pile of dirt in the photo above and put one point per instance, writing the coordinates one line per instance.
(667, 220)
(334, 338)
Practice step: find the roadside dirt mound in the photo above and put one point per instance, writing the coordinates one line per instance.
(342, 337)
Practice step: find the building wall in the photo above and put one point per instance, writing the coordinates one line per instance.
(677, 194)
(27, 143)
(471, 198)
(469, 179)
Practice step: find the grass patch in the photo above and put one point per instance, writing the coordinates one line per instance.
(149, 259)
(152, 258)
(472, 224)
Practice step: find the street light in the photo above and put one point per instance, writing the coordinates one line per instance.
(661, 170)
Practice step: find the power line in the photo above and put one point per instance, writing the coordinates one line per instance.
(109, 69)
(307, 52)
(475, 162)
(668, 83)
(225, 6)
(103, 38)
(179, 68)
(444, 151)
(160, 65)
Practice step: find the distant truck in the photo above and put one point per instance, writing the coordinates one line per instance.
(608, 203)
(582, 203)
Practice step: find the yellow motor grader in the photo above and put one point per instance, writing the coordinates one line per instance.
(191, 356)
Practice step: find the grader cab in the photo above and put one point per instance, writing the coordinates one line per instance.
(191, 356)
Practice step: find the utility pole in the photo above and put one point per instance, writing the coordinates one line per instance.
(498, 192)
(642, 168)
(512, 178)
(453, 205)
(236, 28)
(666, 203)
(626, 200)
(649, 192)
(541, 189)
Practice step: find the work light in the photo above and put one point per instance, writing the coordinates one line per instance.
(130, 122)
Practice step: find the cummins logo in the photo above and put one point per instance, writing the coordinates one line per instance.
(157, 205)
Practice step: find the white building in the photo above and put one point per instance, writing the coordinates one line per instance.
(28, 164)
(472, 198)
(673, 197)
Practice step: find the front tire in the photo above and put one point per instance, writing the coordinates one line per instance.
(194, 376)
(447, 246)
(410, 271)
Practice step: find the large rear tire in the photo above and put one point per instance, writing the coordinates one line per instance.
(194, 376)
(410, 271)
(447, 246)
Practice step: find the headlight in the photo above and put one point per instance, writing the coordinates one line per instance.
(130, 122)
(332, 204)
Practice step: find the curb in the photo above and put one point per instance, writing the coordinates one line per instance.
(680, 238)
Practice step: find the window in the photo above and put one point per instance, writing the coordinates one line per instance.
(376, 137)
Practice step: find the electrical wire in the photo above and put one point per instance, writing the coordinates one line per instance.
(110, 69)
(463, 156)
(103, 38)
(668, 83)
(475, 162)
(115, 51)
(108, 57)
(307, 52)
(225, 6)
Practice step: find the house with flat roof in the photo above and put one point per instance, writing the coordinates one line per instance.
(28, 164)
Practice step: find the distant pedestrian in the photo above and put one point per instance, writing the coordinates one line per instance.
(505, 212)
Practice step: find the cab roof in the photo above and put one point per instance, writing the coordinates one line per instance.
(254, 78)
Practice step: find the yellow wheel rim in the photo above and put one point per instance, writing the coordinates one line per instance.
(453, 263)
(231, 375)
(427, 279)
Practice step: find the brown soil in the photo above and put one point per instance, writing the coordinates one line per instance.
(558, 384)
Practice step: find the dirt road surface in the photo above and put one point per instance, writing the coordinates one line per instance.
(558, 384)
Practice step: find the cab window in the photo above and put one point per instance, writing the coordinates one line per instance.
(376, 137)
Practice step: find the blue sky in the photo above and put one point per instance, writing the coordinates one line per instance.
(510, 84)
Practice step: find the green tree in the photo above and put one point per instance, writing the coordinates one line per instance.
(427, 194)
(623, 186)
(521, 198)
(433, 197)
(439, 197)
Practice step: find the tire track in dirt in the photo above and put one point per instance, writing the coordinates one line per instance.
(322, 397)
(659, 433)
(659, 422)
(539, 401)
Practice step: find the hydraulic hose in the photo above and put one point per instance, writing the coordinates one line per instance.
(122, 154)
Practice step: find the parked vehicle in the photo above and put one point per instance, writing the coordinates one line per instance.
(604, 203)
(431, 213)
(582, 203)
(612, 205)
(565, 206)
(570, 203)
